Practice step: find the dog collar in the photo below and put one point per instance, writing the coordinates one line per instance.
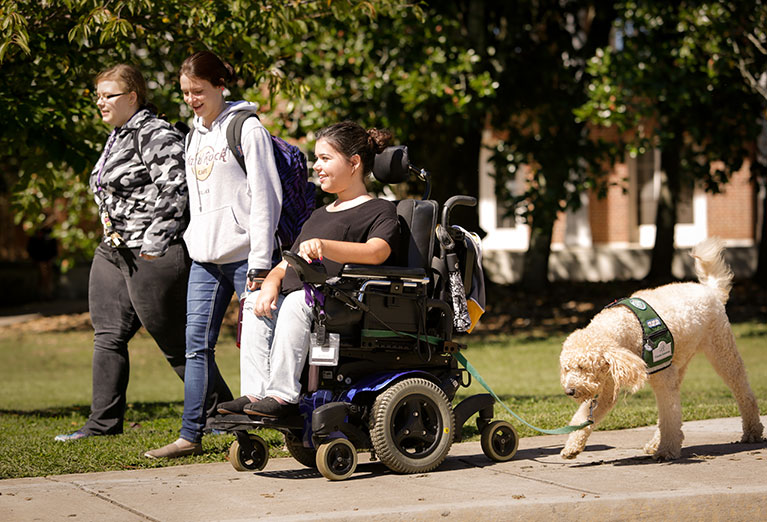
(657, 341)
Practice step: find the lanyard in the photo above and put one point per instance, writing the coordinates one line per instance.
(110, 235)
(104, 156)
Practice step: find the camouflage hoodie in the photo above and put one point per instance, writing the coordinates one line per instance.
(143, 190)
(234, 214)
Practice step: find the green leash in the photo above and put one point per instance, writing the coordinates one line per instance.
(559, 431)
(474, 373)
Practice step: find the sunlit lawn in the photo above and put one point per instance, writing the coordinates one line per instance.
(45, 384)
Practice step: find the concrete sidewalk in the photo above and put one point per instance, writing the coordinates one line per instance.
(716, 479)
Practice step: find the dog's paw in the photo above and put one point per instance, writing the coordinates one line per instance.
(666, 454)
(651, 447)
(569, 453)
(752, 437)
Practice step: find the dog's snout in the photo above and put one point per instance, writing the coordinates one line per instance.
(570, 391)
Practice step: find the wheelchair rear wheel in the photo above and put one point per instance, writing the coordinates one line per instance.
(297, 450)
(247, 459)
(499, 441)
(337, 459)
(412, 426)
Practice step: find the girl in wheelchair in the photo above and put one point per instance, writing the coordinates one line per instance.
(355, 228)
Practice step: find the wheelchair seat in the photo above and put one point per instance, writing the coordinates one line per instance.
(387, 379)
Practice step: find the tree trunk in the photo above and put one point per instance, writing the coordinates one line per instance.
(665, 220)
(535, 268)
(760, 276)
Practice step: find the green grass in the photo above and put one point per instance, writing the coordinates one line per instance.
(45, 390)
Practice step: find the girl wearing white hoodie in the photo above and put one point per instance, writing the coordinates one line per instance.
(234, 216)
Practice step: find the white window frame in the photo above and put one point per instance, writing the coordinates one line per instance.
(497, 238)
(685, 234)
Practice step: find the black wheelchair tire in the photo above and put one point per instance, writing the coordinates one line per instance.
(411, 426)
(302, 454)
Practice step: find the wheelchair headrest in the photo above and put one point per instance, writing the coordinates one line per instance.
(392, 166)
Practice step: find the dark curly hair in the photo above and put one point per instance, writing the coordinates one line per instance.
(350, 138)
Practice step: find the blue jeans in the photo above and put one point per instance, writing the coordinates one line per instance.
(210, 290)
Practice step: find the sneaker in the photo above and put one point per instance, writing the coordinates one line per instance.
(270, 407)
(174, 449)
(234, 407)
(68, 437)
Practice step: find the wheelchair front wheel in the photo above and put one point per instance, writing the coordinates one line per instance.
(337, 459)
(254, 459)
(412, 426)
(499, 441)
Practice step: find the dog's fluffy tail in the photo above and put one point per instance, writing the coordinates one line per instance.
(711, 268)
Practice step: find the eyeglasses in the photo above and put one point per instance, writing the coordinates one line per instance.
(97, 97)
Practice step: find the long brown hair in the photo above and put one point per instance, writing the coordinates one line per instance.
(207, 66)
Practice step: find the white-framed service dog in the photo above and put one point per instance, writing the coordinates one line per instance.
(610, 353)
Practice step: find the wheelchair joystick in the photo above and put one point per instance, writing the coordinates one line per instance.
(309, 273)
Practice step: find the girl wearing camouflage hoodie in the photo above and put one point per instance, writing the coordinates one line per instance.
(139, 272)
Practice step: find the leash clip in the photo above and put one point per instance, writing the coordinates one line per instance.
(592, 407)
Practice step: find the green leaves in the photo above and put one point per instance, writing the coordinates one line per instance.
(672, 77)
(51, 51)
(14, 30)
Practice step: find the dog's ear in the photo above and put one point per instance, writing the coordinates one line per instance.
(626, 369)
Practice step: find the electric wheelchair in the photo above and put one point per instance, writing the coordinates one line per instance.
(381, 374)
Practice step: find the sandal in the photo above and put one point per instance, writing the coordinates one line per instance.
(173, 450)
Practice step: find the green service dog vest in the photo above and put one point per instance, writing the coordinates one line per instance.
(657, 341)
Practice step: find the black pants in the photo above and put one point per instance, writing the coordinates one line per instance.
(124, 293)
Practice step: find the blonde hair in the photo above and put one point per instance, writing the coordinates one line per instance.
(130, 77)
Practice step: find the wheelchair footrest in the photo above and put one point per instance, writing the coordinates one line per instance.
(245, 422)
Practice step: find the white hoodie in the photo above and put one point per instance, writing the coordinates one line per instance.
(233, 216)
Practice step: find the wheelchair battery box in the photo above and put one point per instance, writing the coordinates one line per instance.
(395, 306)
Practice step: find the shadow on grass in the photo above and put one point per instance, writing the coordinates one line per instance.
(135, 411)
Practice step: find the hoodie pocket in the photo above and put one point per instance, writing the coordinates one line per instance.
(217, 237)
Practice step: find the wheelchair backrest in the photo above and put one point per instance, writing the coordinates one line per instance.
(417, 219)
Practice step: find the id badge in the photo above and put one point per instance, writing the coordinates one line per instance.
(324, 353)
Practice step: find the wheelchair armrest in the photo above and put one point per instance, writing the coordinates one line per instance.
(382, 272)
(312, 274)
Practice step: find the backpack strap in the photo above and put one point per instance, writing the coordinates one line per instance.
(137, 144)
(234, 135)
(179, 126)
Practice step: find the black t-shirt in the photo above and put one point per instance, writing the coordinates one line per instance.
(373, 218)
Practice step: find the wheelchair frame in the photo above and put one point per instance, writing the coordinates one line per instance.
(392, 390)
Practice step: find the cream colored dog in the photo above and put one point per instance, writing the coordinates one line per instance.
(605, 356)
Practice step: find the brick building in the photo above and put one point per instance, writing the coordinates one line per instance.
(612, 238)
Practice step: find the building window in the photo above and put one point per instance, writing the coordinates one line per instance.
(646, 177)
(647, 189)
(503, 232)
